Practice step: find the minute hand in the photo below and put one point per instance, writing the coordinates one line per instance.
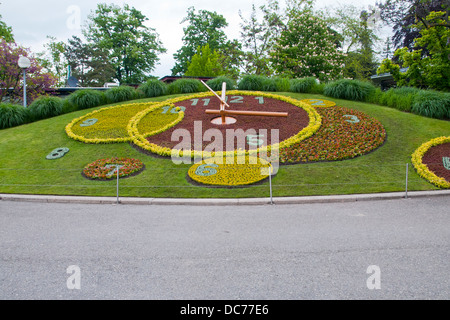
(215, 94)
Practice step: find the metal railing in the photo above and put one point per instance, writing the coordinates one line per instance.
(290, 180)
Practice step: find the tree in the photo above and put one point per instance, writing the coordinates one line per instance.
(431, 70)
(206, 63)
(53, 59)
(133, 47)
(403, 14)
(387, 49)
(6, 32)
(205, 27)
(89, 64)
(231, 58)
(258, 38)
(361, 64)
(11, 83)
(357, 29)
(308, 47)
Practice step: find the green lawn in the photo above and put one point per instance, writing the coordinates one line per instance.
(24, 169)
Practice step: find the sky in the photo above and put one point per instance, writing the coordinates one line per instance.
(32, 21)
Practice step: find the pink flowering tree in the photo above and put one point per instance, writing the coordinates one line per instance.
(306, 47)
(11, 75)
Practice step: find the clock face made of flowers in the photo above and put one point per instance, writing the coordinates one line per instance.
(313, 130)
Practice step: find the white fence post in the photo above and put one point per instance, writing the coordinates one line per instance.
(117, 187)
(406, 190)
(270, 184)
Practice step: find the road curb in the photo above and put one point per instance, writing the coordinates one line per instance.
(221, 202)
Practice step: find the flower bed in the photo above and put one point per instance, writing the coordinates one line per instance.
(230, 172)
(106, 169)
(430, 161)
(344, 134)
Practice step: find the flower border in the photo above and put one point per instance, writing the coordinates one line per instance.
(139, 139)
(422, 169)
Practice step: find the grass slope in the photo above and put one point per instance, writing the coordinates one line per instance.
(24, 169)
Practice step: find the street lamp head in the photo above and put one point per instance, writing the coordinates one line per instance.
(24, 62)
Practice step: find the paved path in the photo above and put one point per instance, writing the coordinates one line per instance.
(281, 252)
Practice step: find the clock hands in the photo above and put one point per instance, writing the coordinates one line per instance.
(223, 113)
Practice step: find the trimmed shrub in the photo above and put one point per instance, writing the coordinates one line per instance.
(186, 86)
(12, 115)
(355, 90)
(153, 88)
(119, 94)
(216, 83)
(432, 104)
(252, 83)
(46, 107)
(303, 85)
(86, 98)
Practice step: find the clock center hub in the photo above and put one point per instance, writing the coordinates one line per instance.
(219, 120)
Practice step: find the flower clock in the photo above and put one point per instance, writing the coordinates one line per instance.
(232, 138)
(432, 161)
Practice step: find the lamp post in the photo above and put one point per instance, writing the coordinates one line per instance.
(24, 64)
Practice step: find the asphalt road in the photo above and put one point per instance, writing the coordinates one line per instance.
(279, 252)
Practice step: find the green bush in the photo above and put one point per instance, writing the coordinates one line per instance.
(68, 107)
(268, 84)
(283, 84)
(252, 83)
(318, 88)
(355, 90)
(275, 84)
(432, 104)
(12, 115)
(400, 98)
(153, 88)
(86, 98)
(186, 86)
(376, 96)
(46, 107)
(119, 94)
(216, 83)
(303, 85)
